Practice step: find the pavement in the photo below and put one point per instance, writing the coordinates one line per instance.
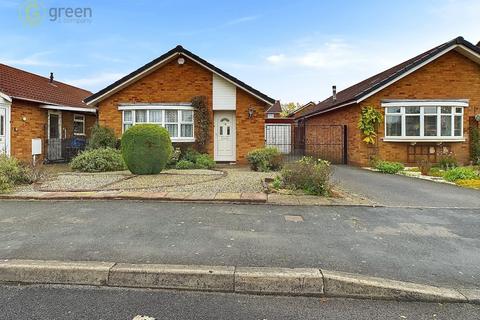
(83, 302)
(395, 190)
(429, 246)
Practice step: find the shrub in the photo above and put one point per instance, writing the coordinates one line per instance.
(448, 161)
(98, 160)
(435, 172)
(204, 161)
(174, 157)
(424, 165)
(389, 167)
(184, 165)
(146, 148)
(102, 137)
(12, 172)
(190, 155)
(309, 175)
(475, 145)
(474, 184)
(265, 159)
(460, 173)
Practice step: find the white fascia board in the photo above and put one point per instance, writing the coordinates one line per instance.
(458, 46)
(5, 96)
(154, 107)
(140, 75)
(66, 108)
(426, 103)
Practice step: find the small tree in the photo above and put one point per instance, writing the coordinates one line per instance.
(289, 108)
(369, 120)
(475, 144)
(202, 122)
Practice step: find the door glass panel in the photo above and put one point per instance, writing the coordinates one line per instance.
(2, 125)
(54, 122)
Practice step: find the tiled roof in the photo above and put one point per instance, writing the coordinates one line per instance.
(24, 85)
(363, 88)
(275, 108)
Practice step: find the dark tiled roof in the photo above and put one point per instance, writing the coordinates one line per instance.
(179, 50)
(21, 84)
(275, 108)
(363, 88)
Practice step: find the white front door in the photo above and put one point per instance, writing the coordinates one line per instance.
(3, 130)
(225, 136)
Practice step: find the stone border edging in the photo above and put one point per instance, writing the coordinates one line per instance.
(251, 280)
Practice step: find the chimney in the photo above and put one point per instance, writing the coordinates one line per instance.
(51, 77)
(334, 93)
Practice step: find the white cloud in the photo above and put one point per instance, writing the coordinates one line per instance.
(276, 58)
(38, 59)
(95, 81)
(242, 19)
(332, 54)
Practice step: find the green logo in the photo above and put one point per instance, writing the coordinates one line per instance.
(31, 12)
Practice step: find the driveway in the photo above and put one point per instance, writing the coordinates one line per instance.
(395, 190)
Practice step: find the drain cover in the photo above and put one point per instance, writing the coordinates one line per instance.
(294, 218)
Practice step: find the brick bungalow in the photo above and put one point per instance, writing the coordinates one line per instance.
(37, 108)
(428, 103)
(161, 92)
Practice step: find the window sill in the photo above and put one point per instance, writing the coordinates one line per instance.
(182, 139)
(434, 139)
(79, 134)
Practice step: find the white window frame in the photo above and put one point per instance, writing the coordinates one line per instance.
(163, 108)
(422, 104)
(83, 124)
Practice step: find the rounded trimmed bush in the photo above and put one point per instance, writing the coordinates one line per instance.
(146, 148)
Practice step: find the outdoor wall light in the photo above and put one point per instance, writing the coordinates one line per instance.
(181, 60)
(251, 112)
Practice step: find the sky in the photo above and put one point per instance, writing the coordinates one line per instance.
(293, 51)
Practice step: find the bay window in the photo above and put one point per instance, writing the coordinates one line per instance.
(424, 120)
(178, 120)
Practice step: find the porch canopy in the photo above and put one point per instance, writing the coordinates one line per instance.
(66, 108)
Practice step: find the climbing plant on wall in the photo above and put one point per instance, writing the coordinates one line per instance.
(202, 122)
(369, 120)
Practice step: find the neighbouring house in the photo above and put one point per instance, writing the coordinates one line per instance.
(162, 91)
(428, 103)
(303, 110)
(42, 116)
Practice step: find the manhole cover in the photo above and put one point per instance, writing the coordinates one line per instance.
(294, 218)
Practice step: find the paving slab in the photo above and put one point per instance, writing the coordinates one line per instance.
(283, 199)
(254, 196)
(228, 196)
(201, 196)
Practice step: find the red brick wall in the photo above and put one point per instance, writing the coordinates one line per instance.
(180, 83)
(451, 76)
(250, 131)
(22, 132)
(34, 126)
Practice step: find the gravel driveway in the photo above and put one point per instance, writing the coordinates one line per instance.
(229, 179)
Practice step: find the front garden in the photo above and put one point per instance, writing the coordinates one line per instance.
(446, 170)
